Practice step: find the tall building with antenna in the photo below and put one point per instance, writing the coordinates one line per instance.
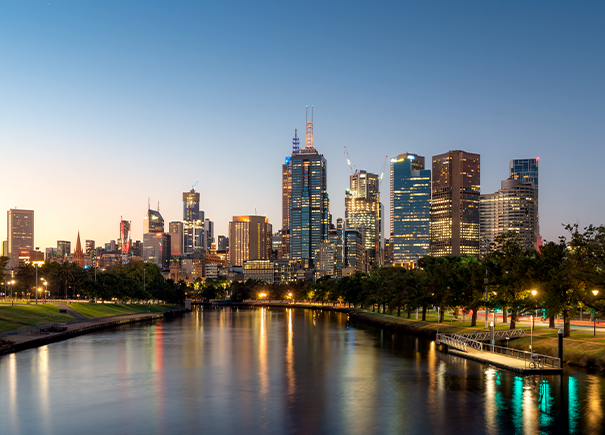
(284, 248)
(193, 222)
(309, 214)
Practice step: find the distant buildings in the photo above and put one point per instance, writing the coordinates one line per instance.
(20, 234)
(208, 234)
(363, 211)
(410, 209)
(63, 250)
(512, 208)
(250, 239)
(176, 238)
(156, 243)
(193, 223)
(455, 204)
(223, 243)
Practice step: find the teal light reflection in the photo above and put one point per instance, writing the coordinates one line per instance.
(574, 405)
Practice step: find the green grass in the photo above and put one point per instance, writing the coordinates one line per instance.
(92, 310)
(22, 315)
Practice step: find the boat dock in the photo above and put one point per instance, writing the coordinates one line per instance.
(473, 347)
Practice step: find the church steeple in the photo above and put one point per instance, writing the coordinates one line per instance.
(78, 254)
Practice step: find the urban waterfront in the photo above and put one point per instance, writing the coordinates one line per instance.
(276, 371)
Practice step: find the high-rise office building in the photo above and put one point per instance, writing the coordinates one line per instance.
(208, 234)
(223, 243)
(90, 246)
(362, 211)
(176, 237)
(153, 223)
(512, 208)
(125, 236)
(20, 234)
(284, 248)
(410, 209)
(63, 250)
(455, 204)
(325, 259)
(309, 204)
(193, 223)
(355, 252)
(250, 239)
(156, 249)
(191, 206)
(526, 170)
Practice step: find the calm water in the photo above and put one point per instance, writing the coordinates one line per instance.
(278, 371)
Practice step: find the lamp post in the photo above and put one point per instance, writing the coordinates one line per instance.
(486, 249)
(45, 284)
(12, 283)
(37, 249)
(594, 334)
(531, 346)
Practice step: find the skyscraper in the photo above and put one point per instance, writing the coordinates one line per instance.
(526, 170)
(63, 250)
(512, 208)
(208, 234)
(286, 196)
(20, 234)
(153, 222)
(410, 209)
(124, 236)
(455, 204)
(223, 243)
(362, 211)
(193, 223)
(309, 205)
(176, 237)
(156, 243)
(250, 239)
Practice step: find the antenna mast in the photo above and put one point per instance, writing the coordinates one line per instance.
(309, 143)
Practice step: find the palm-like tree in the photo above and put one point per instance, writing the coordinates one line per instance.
(66, 275)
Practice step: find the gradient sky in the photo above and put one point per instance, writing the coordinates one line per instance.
(106, 104)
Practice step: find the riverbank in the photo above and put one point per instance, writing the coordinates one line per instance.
(579, 350)
(35, 337)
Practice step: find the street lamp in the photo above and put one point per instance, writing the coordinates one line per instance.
(12, 283)
(595, 292)
(45, 284)
(531, 346)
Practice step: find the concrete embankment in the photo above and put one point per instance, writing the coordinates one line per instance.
(17, 342)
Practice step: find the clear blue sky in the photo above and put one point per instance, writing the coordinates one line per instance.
(104, 104)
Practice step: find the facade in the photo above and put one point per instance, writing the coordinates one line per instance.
(63, 250)
(20, 234)
(209, 234)
(78, 257)
(455, 204)
(191, 206)
(284, 249)
(156, 249)
(250, 239)
(325, 260)
(355, 254)
(525, 170)
(193, 223)
(175, 229)
(269, 271)
(153, 222)
(223, 243)
(90, 246)
(309, 205)
(410, 209)
(362, 211)
(512, 208)
(125, 231)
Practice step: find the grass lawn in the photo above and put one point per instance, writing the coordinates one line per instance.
(22, 315)
(92, 310)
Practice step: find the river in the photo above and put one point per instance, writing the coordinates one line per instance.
(279, 371)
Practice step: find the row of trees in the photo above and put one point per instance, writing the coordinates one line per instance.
(563, 275)
(136, 281)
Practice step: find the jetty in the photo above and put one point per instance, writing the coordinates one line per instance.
(481, 347)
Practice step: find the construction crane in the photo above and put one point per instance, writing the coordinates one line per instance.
(349, 161)
(386, 159)
(194, 186)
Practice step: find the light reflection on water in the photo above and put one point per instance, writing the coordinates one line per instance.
(277, 371)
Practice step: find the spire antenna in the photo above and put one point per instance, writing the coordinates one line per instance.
(309, 143)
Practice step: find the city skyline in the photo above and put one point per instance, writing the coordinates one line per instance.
(107, 105)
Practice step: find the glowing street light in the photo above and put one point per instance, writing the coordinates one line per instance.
(595, 292)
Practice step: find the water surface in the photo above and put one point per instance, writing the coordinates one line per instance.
(279, 371)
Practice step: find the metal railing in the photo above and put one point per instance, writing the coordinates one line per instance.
(498, 335)
(531, 360)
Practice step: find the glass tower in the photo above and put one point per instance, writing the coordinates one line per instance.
(193, 223)
(410, 208)
(525, 170)
(309, 205)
